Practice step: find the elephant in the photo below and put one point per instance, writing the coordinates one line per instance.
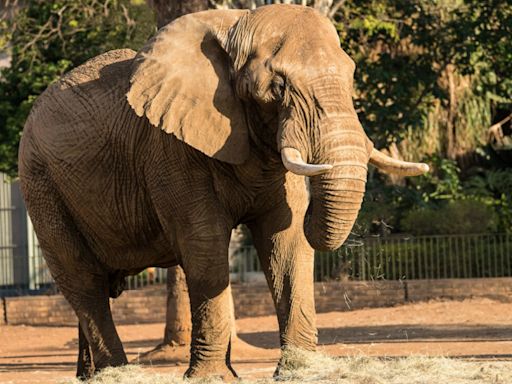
(147, 159)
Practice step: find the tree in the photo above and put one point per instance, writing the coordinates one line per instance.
(168, 10)
(46, 39)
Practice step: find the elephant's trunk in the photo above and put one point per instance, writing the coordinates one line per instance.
(335, 202)
(339, 153)
(337, 194)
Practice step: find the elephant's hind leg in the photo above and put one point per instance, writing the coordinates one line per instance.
(84, 365)
(81, 279)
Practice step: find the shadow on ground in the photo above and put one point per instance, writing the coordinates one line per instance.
(25, 367)
(391, 334)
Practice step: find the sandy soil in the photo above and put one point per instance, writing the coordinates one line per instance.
(473, 329)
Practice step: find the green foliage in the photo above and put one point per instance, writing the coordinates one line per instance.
(395, 45)
(427, 204)
(454, 217)
(492, 187)
(404, 50)
(47, 38)
(487, 26)
(441, 183)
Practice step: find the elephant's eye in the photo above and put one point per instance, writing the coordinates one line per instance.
(278, 86)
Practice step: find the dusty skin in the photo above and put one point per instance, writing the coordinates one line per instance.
(473, 329)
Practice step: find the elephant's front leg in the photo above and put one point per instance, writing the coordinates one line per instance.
(205, 262)
(287, 260)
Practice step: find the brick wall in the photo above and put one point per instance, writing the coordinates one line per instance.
(35, 310)
(140, 306)
(458, 289)
(344, 296)
(148, 305)
(252, 300)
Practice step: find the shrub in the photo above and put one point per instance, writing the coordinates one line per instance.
(455, 217)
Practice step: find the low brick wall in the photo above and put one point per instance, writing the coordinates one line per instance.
(148, 305)
(140, 306)
(252, 300)
(344, 296)
(39, 310)
(459, 289)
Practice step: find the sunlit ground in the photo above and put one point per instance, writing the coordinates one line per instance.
(318, 368)
(466, 342)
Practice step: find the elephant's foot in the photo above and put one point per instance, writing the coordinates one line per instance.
(294, 359)
(85, 374)
(85, 365)
(85, 368)
(211, 369)
(165, 353)
(179, 354)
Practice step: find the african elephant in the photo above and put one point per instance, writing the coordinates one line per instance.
(247, 104)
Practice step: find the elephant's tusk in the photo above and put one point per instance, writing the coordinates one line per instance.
(293, 162)
(390, 165)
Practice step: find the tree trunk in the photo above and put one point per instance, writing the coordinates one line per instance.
(168, 10)
(451, 138)
(178, 323)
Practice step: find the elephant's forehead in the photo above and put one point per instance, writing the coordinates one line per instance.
(300, 36)
(314, 60)
(297, 24)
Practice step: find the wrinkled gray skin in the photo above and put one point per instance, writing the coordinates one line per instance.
(110, 194)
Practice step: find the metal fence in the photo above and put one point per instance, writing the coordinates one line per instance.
(23, 269)
(380, 258)
(421, 257)
(6, 245)
(405, 257)
(244, 267)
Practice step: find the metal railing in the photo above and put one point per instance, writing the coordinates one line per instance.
(150, 276)
(421, 257)
(23, 269)
(6, 244)
(405, 257)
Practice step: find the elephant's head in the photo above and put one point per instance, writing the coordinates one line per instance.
(208, 76)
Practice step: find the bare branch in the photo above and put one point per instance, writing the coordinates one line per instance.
(323, 6)
(335, 8)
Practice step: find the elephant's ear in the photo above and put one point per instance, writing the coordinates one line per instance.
(181, 83)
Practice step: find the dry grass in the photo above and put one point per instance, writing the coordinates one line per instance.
(307, 367)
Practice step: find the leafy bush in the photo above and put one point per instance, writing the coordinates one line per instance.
(455, 217)
(48, 38)
(493, 187)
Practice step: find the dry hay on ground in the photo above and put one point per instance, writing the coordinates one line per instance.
(309, 367)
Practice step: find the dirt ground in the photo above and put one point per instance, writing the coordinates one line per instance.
(472, 329)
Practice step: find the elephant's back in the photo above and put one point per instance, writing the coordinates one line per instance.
(109, 68)
(79, 107)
